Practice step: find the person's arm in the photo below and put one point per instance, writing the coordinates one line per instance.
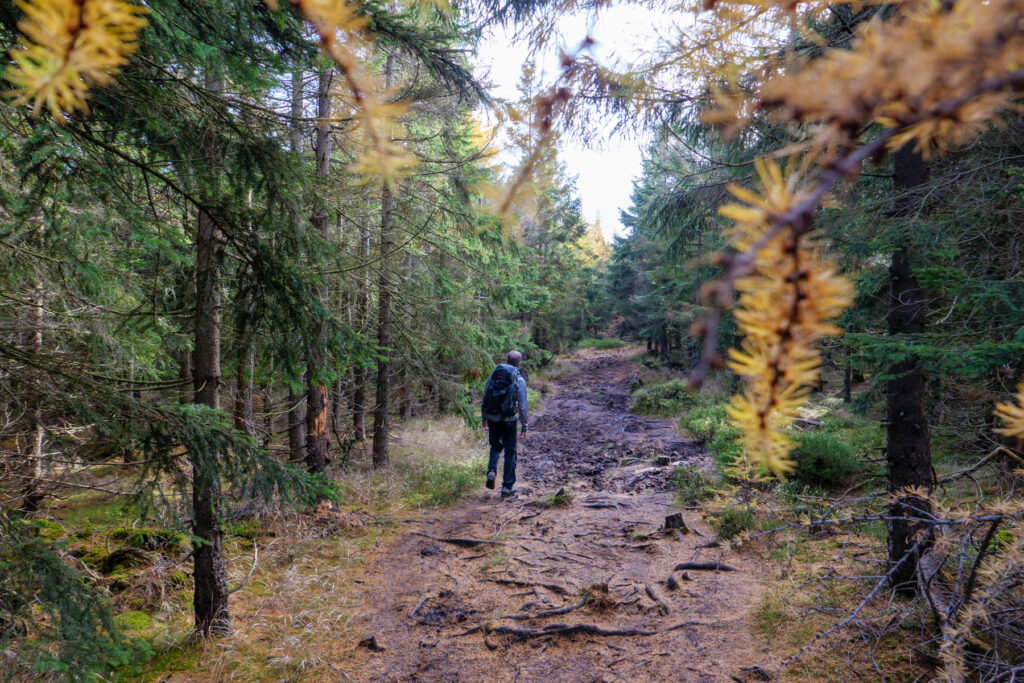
(524, 408)
(483, 420)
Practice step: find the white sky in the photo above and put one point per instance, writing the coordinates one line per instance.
(604, 173)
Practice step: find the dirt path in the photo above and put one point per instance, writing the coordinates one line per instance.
(472, 612)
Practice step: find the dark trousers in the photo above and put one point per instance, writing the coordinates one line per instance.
(502, 436)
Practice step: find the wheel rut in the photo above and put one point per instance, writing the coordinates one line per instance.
(518, 591)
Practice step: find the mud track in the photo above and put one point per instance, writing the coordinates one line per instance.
(584, 592)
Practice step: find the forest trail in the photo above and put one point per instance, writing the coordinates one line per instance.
(462, 611)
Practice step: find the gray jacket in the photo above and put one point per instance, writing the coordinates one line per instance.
(521, 394)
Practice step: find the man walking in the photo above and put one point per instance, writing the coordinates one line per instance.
(504, 399)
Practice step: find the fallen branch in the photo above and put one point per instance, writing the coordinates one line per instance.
(705, 566)
(998, 450)
(587, 629)
(464, 542)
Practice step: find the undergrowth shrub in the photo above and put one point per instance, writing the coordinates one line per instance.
(691, 485)
(665, 399)
(732, 521)
(824, 459)
(443, 483)
(601, 343)
(533, 400)
(707, 421)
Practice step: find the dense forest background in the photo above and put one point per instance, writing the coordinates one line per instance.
(211, 303)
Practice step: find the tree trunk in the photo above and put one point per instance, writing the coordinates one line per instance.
(407, 381)
(32, 495)
(847, 375)
(243, 393)
(185, 393)
(266, 405)
(210, 569)
(360, 376)
(296, 406)
(380, 410)
(907, 451)
(317, 442)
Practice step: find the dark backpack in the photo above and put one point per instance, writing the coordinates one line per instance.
(501, 398)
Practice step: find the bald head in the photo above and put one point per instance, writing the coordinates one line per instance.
(514, 358)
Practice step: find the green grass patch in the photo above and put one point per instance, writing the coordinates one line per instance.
(95, 509)
(665, 399)
(823, 459)
(557, 499)
(440, 484)
(691, 485)
(533, 400)
(707, 421)
(601, 343)
(733, 520)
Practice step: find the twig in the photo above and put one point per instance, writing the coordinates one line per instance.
(255, 559)
(978, 465)
(419, 605)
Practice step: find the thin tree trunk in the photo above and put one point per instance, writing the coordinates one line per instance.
(296, 407)
(243, 392)
(407, 392)
(907, 451)
(360, 376)
(847, 374)
(186, 394)
(317, 442)
(380, 410)
(210, 569)
(266, 403)
(32, 496)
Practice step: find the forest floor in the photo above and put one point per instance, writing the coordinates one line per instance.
(577, 585)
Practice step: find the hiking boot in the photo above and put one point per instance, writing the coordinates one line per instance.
(491, 475)
(506, 492)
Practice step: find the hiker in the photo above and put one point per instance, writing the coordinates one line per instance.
(504, 399)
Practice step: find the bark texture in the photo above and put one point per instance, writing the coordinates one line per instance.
(381, 417)
(210, 569)
(317, 442)
(296, 406)
(360, 376)
(908, 450)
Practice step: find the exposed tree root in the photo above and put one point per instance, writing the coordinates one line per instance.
(553, 587)
(464, 542)
(705, 566)
(552, 612)
(664, 608)
(586, 629)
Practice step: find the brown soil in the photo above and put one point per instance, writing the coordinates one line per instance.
(442, 611)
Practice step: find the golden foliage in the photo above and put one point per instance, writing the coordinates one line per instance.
(68, 46)
(932, 73)
(784, 308)
(1012, 415)
(342, 32)
(918, 71)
